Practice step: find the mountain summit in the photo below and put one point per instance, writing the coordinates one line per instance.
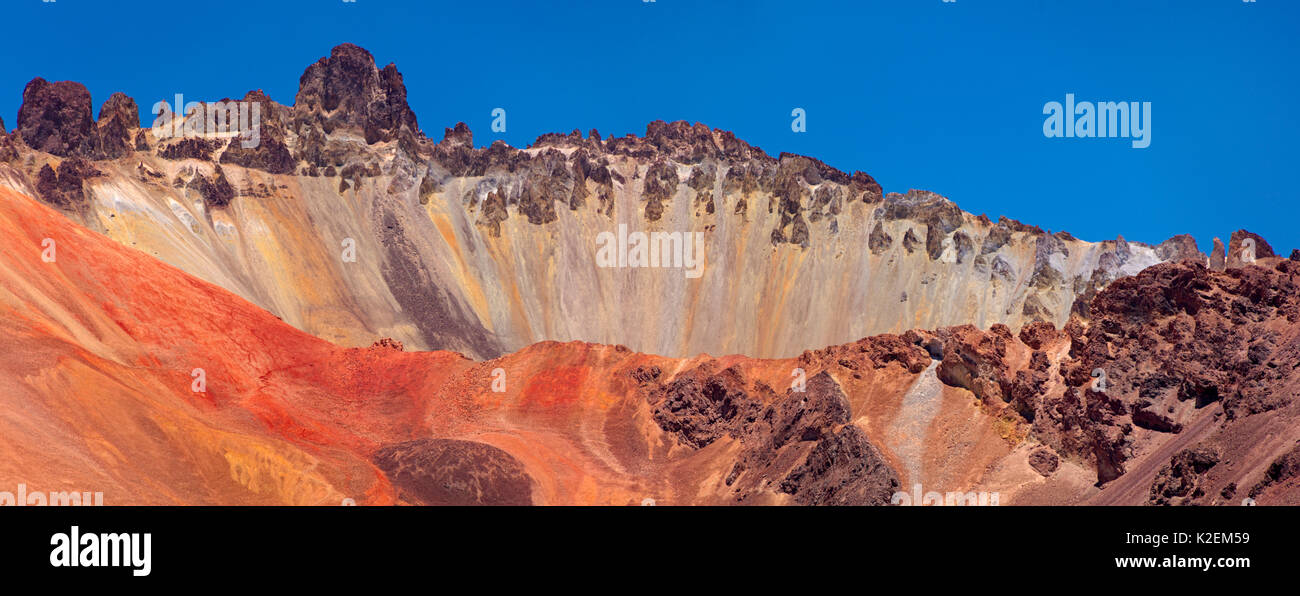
(487, 250)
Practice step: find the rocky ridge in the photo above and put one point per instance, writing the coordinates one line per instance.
(478, 249)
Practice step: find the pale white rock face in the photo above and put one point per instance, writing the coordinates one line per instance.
(432, 273)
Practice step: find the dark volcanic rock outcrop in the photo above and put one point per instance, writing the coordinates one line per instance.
(1173, 334)
(1283, 473)
(879, 241)
(660, 185)
(1218, 256)
(346, 89)
(939, 215)
(451, 472)
(802, 444)
(56, 118)
(190, 148)
(1157, 349)
(1043, 461)
(842, 467)
(215, 189)
(1238, 247)
(119, 118)
(703, 405)
(973, 359)
(64, 189)
(1182, 481)
(1180, 248)
(270, 152)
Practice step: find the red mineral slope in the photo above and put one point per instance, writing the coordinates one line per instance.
(101, 343)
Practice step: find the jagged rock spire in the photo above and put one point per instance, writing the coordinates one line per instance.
(346, 89)
(55, 117)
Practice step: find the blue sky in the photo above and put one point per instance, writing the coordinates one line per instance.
(919, 93)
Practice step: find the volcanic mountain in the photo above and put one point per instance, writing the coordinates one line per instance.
(488, 250)
(183, 324)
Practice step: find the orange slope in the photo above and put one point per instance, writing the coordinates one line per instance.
(96, 394)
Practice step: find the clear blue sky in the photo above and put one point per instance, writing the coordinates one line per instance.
(919, 93)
